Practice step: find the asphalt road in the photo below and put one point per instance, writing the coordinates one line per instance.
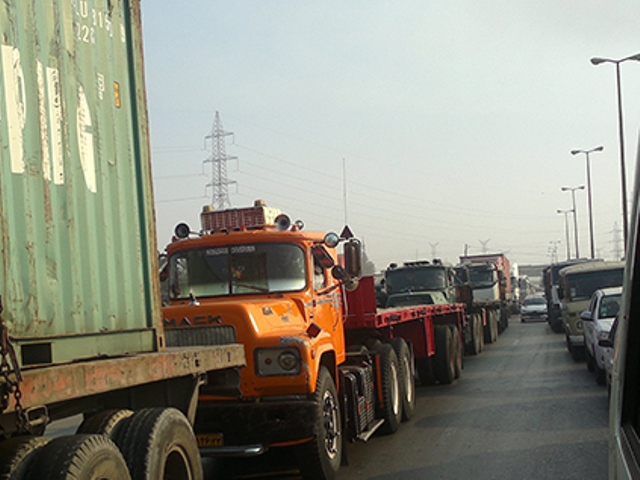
(523, 409)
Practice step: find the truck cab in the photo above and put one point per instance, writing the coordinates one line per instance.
(281, 290)
(576, 285)
(419, 283)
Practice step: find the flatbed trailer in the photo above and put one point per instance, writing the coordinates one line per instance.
(434, 332)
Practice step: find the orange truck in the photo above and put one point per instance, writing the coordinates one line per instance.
(323, 366)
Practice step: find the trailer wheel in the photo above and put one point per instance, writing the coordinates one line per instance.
(491, 328)
(320, 458)
(16, 455)
(445, 368)
(473, 346)
(159, 443)
(424, 367)
(103, 422)
(391, 390)
(407, 382)
(457, 349)
(480, 331)
(79, 457)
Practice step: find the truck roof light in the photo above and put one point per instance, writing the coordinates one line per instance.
(182, 230)
(283, 222)
(331, 240)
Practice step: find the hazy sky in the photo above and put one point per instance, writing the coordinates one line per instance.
(454, 119)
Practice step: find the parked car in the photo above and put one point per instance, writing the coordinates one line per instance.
(533, 308)
(608, 345)
(597, 321)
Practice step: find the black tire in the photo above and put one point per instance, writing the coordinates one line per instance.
(79, 457)
(480, 331)
(391, 408)
(426, 374)
(457, 349)
(445, 360)
(159, 443)
(490, 328)
(577, 353)
(473, 347)
(589, 360)
(601, 374)
(16, 455)
(494, 326)
(321, 457)
(103, 422)
(407, 377)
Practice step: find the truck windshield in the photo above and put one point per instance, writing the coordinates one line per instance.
(482, 277)
(237, 270)
(415, 279)
(582, 285)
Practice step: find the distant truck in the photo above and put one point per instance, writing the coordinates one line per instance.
(576, 285)
(324, 366)
(427, 283)
(550, 284)
(490, 280)
(80, 321)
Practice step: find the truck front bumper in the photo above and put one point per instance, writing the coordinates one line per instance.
(261, 422)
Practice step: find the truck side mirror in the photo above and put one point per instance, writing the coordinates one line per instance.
(353, 258)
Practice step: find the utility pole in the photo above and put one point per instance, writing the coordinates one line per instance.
(218, 158)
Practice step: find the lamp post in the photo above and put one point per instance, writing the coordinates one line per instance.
(598, 61)
(587, 152)
(575, 213)
(566, 230)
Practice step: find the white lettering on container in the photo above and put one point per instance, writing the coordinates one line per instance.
(15, 97)
(85, 141)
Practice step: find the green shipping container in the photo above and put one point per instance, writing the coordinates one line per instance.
(78, 271)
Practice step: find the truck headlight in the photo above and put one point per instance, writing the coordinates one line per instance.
(277, 361)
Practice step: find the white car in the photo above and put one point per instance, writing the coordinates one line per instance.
(596, 323)
(608, 346)
(533, 308)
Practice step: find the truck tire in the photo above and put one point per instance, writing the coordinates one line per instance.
(16, 454)
(159, 443)
(480, 331)
(473, 347)
(103, 422)
(424, 367)
(445, 368)
(391, 408)
(79, 457)
(457, 349)
(407, 377)
(491, 328)
(321, 457)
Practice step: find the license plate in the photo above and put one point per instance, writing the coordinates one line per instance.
(210, 440)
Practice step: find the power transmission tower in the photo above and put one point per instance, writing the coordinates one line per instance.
(433, 249)
(218, 158)
(484, 245)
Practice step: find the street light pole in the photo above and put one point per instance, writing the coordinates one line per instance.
(566, 230)
(575, 213)
(587, 152)
(623, 174)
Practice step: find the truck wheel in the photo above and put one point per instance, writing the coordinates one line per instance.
(320, 458)
(480, 332)
(159, 443)
(16, 455)
(79, 457)
(407, 382)
(445, 368)
(391, 408)
(457, 349)
(488, 329)
(474, 347)
(494, 327)
(103, 422)
(424, 367)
